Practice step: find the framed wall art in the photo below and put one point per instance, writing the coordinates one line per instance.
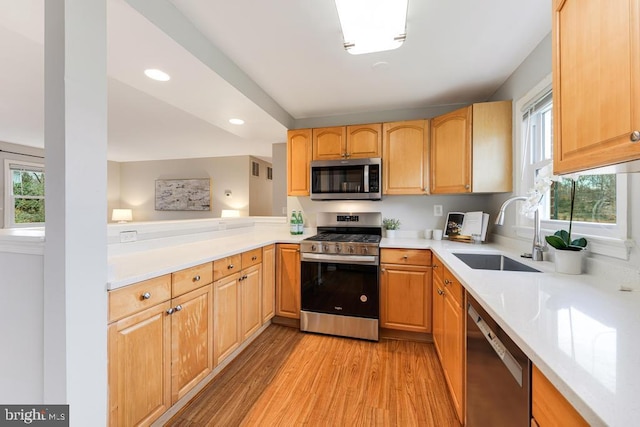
(183, 194)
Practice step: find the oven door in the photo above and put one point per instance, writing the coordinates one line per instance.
(334, 284)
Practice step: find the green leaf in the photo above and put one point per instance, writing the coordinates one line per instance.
(556, 241)
(564, 235)
(574, 248)
(581, 242)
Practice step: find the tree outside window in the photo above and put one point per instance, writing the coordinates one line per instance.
(27, 194)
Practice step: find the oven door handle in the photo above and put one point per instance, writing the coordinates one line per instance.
(341, 259)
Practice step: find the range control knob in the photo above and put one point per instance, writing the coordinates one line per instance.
(313, 248)
(338, 248)
(325, 248)
(351, 249)
(365, 250)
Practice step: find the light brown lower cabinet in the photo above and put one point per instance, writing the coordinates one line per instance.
(159, 347)
(288, 280)
(268, 283)
(449, 331)
(550, 408)
(405, 290)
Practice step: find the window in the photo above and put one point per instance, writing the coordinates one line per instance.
(269, 173)
(255, 168)
(600, 203)
(24, 187)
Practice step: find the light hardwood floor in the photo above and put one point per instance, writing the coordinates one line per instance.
(290, 378)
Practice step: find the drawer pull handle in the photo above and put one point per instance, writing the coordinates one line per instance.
(196, 278)
(230, 266)
(146, 295)
(405, 256)
(253, 258)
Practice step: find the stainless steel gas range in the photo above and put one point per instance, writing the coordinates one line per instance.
(340, 276)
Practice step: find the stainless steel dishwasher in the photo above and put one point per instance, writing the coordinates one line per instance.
(498, 374)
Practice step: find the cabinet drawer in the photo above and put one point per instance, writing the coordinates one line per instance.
(134, 298)
(191, 278)
(452, 286)
(252, 257)
(438, 269)
(406, 256)
(226, 266)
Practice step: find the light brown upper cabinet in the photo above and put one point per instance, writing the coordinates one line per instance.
(298, 162)
(405, 147)
(347, 142)
(596, 83)
(471, 150)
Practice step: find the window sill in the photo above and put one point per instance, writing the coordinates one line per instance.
(615, 248)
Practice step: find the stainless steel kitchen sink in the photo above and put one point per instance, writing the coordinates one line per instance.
(493, 262)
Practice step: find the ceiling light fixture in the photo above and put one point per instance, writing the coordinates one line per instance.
(372, 26)
(158, 75)
(236, 121)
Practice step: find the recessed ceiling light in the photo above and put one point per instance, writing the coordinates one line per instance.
(158, 75)
(236, 121)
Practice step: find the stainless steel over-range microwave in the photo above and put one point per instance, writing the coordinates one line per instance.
(349, 179)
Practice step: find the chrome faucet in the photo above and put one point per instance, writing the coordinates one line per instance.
(538, 247)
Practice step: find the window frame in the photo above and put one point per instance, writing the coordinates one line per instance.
(604, 239)
(9, 199)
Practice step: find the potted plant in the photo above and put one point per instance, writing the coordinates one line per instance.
(391, 225)
(568, 256)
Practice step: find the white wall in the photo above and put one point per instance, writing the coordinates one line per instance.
(22, 329)
(137, 185)
(113, 187)
(279, 159)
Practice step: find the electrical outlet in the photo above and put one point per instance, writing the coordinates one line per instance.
(128, 236)
(437, 210)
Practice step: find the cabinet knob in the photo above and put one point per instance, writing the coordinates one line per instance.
(405, 257)
(440, 292)
(383, 270)
(435, 266)
(178, 307)
(146, 295)
(467, 186)
(447, 281)
(635, 136)
(171, 310)
(196, 278)
(230, 266)
(253, 258)
(347, 155)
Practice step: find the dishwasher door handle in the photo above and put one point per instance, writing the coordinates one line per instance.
(507, 358)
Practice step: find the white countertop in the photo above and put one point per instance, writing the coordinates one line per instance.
(582, 335)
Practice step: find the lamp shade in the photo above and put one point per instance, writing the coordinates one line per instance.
(121, 215)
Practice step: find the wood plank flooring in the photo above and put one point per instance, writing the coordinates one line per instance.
(290, 378)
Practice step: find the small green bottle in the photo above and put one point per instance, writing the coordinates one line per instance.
(300, 223)
(293, 223)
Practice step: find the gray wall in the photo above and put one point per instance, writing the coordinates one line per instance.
(137, 185)
(260, 190)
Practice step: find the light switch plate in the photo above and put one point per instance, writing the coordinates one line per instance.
(128, 236)
(437, 210)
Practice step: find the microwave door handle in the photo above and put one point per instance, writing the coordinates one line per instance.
(366, 178)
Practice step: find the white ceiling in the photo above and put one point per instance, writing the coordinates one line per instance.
(268, 62)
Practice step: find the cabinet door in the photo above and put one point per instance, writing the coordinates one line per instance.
(268, 282)
(191, 340)
(288, 281)
(251, 298)
(437, 322)
(453, 349)
(405, 298)
(298, 162)
(329, 143)
(404, 157)
(451, 152)
(492, 147)
(226, 317)
(364, 141)
(549, 407)
(596, 83)
(139, 368)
